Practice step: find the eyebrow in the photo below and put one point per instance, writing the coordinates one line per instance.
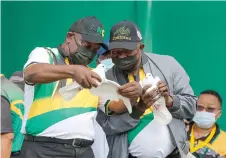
(208, 106)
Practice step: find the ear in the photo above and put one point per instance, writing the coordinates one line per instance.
(218, 115)
(142, 46)
(69, 37)
(70, 34)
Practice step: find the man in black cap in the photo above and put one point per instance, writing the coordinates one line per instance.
(149, 138)
(54, 127)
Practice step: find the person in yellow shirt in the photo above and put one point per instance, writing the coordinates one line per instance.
(206, 138)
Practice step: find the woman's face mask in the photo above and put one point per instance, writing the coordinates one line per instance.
(204, 119)
(107, 63)
(82, 56)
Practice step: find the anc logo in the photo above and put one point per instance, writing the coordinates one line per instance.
(122, 33)
(100, 31)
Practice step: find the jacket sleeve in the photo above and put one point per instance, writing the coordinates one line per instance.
(116, 124)
(184, 101)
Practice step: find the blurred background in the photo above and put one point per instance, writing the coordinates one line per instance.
(192, 32)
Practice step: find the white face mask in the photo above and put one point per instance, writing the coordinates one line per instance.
(204, 119)
(107, 63)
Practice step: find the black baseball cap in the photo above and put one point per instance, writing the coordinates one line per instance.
(125, 35)
(91, 30)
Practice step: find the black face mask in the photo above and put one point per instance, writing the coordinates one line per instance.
(82, 56)
(126, 64)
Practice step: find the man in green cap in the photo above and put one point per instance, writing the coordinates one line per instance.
(54, 127)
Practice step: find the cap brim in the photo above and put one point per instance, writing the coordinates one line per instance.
(123, 45)
(95, 39)
(103, 53)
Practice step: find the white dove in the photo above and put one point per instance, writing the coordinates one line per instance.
(105, 88)
(161, 113)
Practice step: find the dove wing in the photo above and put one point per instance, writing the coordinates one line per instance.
(107, 89)
(110, 90)
(69, 91)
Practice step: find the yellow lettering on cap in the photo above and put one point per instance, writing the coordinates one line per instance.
(121, 38)
(102, 32)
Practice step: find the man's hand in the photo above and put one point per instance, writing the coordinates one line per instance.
(47, 73)
(131, 90)
(85, 77)
(147, 99)
(163, 89)
(150, 97)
